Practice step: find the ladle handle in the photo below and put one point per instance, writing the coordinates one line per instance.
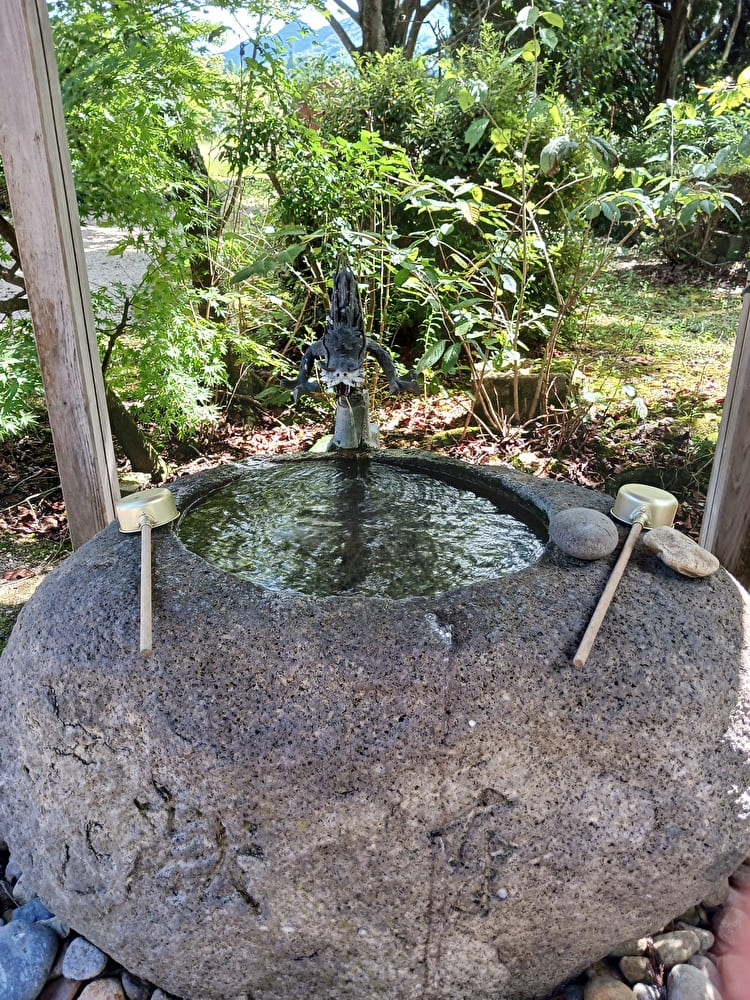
(582, 653)
(146, 614)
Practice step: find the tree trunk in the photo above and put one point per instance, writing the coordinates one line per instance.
(137, 447)
(204, 227)
(672, 50)
(373, 27)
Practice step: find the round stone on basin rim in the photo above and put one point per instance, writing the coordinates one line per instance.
(583, 533)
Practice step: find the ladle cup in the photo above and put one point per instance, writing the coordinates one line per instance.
(641, 507)
(143, 511)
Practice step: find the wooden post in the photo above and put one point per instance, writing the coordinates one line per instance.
(726, 522)
(36, 160)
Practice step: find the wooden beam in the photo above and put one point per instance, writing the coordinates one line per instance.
(726, 522)
(34, 147)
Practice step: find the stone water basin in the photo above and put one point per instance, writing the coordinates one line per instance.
(353, 796)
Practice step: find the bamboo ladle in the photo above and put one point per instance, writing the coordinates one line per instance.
(641, 507)
(143, 511)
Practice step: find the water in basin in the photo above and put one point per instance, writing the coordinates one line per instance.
(355, 527)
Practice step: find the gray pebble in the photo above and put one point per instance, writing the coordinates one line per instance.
(602, 968)
(27, 952)
(605, 988)
(583, 533)
(83, 960)
(688, 983)
(676, 947)
(704, 964)
(739, 879)
(32, 911)
(636, 969)
(635, 946)
(58, 926)
(707, 939)
(134, 988)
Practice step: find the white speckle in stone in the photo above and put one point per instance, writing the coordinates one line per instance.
(443, 632)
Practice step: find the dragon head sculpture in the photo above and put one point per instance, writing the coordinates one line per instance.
(340, 353)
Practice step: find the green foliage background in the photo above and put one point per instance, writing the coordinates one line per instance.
(478, 193)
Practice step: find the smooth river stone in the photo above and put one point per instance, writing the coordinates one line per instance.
(583, 533)
(27, 952)
(103, 989)
(680, 553)
(604, 988)
(688, 983)
(83, 960)
(676, 947)
(636, 968)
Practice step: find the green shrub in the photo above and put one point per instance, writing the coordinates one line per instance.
(21, 391)
(694, 158)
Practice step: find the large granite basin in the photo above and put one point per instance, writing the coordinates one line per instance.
(372, 798)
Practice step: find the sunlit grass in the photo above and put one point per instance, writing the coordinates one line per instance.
(672, 343)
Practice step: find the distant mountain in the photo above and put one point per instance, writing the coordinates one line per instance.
(296, 42)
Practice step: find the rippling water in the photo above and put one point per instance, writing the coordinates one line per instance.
(361, 527)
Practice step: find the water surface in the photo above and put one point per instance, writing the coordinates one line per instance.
(355, 527)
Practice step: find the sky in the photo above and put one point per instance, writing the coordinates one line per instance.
(242, 25)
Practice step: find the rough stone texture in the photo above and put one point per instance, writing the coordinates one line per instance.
(680, 553)
(583, 533)
(717, 896)
(373, 798)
